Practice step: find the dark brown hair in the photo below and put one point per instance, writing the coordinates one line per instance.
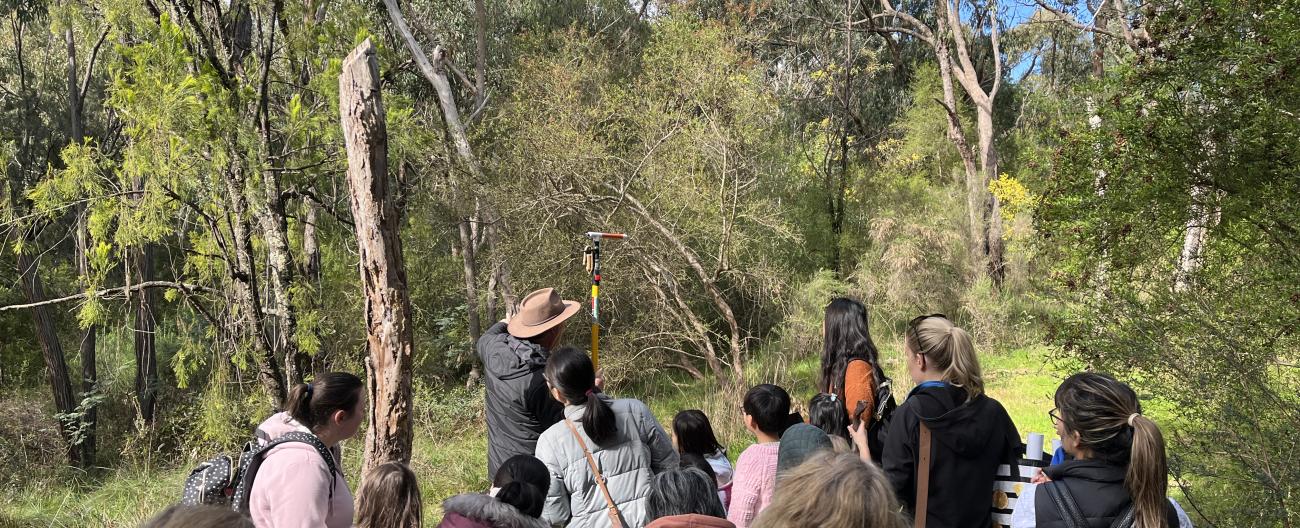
(311, 404)
(846, 337)
(1108, 418)
(199, 516)
(389, 497)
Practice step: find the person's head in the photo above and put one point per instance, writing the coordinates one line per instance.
(936, 349)
(572, 380)
(692, 460)
(799, 443)
(389, 496)
(1099, 417)
(767, 410)
(541, 317)
(683, 491)
(845, 337)
(199, 516)
(826, 411)
(692, 433)
(523, 481)
(832, 490)
(332, 406)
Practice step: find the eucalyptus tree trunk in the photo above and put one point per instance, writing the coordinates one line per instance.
(388, 306)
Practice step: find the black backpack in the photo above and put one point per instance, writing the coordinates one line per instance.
(221, 481)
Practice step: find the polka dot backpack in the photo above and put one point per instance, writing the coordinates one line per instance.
(222, 482)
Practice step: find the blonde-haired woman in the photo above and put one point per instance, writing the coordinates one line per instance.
(832, 490)
(970, 433)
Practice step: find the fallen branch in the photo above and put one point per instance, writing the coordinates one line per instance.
(113, 292)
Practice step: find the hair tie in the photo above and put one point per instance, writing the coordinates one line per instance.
(590, 392)
(833, 396)
(308, 391)
(1131, 417)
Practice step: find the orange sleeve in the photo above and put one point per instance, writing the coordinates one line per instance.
(859, 385)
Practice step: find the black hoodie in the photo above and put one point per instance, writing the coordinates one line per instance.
(519, 406)
(969, 438)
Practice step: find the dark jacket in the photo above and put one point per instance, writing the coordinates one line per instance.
(968, 440)
(519, 407)
(475, 510)
(1098, 489)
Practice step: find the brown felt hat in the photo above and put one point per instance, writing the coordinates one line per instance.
(540, 311)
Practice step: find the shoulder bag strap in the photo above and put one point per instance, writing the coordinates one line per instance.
(615, 517)
(922, 476)
(1064, 502)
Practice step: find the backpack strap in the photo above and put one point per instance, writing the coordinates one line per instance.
(1125, 519)
(922, 477)
(252, 460)
(1065, 504)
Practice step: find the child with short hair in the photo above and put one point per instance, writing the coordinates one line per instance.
(767, 415)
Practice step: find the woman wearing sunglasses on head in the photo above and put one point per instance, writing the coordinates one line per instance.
(970, 434)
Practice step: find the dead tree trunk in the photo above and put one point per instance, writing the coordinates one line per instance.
(388, 307)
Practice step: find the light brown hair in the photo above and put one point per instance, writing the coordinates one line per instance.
(1108, 418)
(832, 490)
(389, 498)
(949, 347)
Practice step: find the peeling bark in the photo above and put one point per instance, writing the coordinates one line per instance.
(388, 307)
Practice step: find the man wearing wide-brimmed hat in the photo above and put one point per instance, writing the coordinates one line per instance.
(514, 352)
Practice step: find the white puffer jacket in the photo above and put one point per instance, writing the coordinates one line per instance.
(629, 461)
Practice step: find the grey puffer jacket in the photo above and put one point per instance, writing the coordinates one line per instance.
(519, 407)
(640, 450)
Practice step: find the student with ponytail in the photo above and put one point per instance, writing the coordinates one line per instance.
(1118, 476)
(970, 434)
(515, 501)
(297, 485)
(623, 437)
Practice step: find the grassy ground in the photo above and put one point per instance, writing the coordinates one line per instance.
(450, 442)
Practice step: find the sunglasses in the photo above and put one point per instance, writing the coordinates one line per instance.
(916, 321)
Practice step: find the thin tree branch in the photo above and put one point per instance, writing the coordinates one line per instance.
(90, 65)
(119, 291)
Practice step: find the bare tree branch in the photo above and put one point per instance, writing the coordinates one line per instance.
(114, 292)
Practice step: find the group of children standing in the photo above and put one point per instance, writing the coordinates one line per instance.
(857, 461)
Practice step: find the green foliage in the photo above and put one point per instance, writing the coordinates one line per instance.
(1195, 138)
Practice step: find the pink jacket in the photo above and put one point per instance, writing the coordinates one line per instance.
(292, 489)
(755, 478)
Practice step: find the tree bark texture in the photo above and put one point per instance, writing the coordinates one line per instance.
(146, 357)
(244, 283)
(51, 349)
(388, 307)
